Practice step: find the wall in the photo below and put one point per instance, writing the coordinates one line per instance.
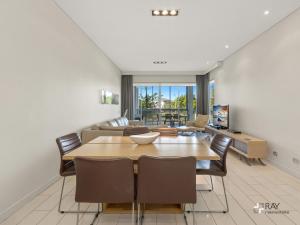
(260, 82)
(50, 79)
(164, 79)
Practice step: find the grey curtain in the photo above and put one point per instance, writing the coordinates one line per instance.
(127, 96)
(202, 82)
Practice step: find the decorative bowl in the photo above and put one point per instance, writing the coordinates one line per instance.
(144, 139)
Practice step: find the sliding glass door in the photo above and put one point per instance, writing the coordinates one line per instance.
(171, 104)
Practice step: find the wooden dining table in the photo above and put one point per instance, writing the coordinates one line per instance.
(108, 147)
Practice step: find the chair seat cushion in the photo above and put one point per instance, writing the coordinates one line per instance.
(209, 167)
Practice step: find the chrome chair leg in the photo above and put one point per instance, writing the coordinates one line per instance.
(61, 195)
(138, 214)
(216, 211)
(227, 208)
(184, 216)
(193, 214)
(77, 218)
(61, 198)
(133, 214)
(97, 214)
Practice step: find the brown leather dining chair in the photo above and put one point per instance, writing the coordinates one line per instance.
(166, 181)
(66, 144)
(135, 131)
(104, 181)
(220, 144)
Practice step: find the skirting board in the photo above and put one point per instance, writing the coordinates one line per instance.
(27, 198)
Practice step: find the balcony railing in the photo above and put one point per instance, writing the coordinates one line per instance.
(168, 116)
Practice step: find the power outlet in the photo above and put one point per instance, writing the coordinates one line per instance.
(275, 153)
(296, 161)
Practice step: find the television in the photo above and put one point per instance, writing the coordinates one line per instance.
(221, 116)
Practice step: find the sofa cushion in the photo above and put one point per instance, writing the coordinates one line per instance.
(122, 121)
(113, 123)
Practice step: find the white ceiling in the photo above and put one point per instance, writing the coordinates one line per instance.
(133, 39)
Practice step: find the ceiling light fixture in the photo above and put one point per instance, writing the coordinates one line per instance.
(156, 12)
(267, 12)
(165, 12)
(173, 12)
(160, 62)
(226, 46)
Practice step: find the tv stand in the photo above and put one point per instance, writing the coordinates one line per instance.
(248, 147)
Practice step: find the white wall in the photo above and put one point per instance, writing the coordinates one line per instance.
(50, 79)
(164, 79)
(261, 84)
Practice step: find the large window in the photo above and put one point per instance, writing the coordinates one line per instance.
(161, 103)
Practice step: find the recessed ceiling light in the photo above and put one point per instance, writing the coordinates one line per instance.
(267, 12)
(226, 46)
(160, 62)
(208, 62)
(156, 12)
(173, 12)
(165, 12)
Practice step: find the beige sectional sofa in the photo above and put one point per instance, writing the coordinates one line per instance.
(112, 127)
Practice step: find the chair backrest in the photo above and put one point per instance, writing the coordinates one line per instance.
(135, 130)
(66, 144)
(166, 180)
(220, 144)
(108, 181)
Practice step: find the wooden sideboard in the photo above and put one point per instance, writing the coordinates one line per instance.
(251, 148)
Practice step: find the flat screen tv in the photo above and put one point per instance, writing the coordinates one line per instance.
(221, 116)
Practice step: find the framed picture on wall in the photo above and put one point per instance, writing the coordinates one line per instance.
(107, 97)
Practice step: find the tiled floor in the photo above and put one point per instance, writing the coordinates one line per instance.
(246, 186)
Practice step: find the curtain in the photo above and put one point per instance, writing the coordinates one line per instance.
(127, 96)
(202, 82)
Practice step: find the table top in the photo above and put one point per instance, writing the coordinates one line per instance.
(168, 147)
(134, 151)
(159, 140)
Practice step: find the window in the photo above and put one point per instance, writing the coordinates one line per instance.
(153, 102)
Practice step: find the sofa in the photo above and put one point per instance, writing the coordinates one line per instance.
(114, 127)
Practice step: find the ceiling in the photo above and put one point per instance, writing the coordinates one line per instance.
(190, 43)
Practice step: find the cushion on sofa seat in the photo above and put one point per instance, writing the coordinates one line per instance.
(122, 121)
(113, 123)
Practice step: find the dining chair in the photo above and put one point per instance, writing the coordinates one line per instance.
(168, 118)
(104, 181)
(166, 181)
(66, 143)
(135, 130)
(220, 144)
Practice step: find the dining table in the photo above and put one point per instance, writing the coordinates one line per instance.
(109, 147)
